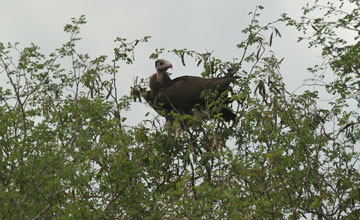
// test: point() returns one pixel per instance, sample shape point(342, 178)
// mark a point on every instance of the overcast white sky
point(201, 25)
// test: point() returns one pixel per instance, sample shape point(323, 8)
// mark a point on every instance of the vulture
point(184, 94)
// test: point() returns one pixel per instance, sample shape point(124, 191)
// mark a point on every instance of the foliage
point(67, 152)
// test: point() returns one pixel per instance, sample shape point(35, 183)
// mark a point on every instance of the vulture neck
point(162, 77)
point(159, 76)
point(158, 80)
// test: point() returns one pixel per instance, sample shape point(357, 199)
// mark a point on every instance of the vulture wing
point(183, 93)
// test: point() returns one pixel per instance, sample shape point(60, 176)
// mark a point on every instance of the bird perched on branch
point(185, 94)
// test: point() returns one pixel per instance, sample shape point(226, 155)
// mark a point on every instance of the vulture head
point(162, 65)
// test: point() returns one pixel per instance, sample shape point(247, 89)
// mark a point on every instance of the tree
point(68, 153)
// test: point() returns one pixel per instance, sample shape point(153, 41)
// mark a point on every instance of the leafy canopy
point(68, 153)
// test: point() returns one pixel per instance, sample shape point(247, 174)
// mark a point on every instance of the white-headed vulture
point(184, 94)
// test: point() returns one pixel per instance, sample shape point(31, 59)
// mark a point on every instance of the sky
point(201, 25)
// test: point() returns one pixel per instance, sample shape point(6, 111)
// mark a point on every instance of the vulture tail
point(232, 70)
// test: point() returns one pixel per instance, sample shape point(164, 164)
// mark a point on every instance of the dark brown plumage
point(184, 94)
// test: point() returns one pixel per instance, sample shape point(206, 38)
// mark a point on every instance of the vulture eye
point(161, 63)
